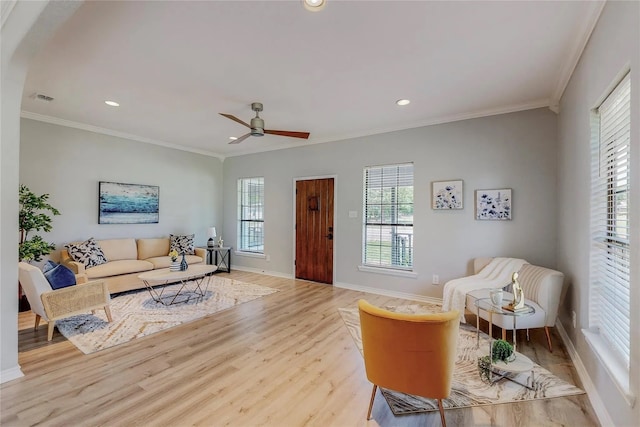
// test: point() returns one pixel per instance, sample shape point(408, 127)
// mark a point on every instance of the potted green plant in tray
point(499, 351)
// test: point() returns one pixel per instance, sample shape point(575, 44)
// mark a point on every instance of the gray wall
point(68, 163)
point(516, 150)
point(613, 47)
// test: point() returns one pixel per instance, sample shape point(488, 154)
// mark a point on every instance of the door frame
point(335, 220)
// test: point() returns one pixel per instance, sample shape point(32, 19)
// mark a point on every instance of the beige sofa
point(126, 259)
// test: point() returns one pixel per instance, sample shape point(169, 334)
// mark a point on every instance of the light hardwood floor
point(282, 360)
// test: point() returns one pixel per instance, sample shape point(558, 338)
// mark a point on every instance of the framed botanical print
point(446, 195)
point(494, 204)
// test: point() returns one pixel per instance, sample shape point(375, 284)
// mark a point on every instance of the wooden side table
point(220, 257)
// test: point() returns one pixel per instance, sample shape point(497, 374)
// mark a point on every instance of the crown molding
point(575, 53)
point(541, 103)
point(110, 132)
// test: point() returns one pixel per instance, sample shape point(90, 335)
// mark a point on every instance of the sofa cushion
point(58, 275)
point(149, 248)
point(182, 244)
point(117, 249)
point(165, 261)
point(88, 253)
point(114, 268)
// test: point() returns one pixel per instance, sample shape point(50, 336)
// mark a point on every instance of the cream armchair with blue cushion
point(542, 290)
point(52, 305)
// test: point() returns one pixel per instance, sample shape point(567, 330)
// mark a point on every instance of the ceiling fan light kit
point(257, 126)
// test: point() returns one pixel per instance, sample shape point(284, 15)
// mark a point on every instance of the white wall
point(613, 47)
point(515, 151)
point(68, 163)
point(25, 28)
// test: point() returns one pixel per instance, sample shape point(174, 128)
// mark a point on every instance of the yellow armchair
point(409, 353)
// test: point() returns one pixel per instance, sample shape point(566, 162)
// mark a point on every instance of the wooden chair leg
point(373, 396)
point(441, 409)
point(546, 330)
point(52, 324)
point(108, 311)
point(38, 317)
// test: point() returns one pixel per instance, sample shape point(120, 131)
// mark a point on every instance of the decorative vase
point(174, 266)
point(183, 263)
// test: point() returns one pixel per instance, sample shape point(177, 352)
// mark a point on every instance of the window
point(609, 300)
point(388, 216)
point(251, 215)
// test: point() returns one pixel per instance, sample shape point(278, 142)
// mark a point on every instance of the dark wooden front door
point(314, 230)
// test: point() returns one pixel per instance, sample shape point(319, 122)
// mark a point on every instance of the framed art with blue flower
point(494, 204)
point(446, 195)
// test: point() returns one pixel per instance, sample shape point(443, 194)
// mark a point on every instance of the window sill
point(251, 254)
point(388, 271)
point(616, 369)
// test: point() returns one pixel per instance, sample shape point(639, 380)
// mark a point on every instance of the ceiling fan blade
point(304, 135)
point(235, 119)
point(240, 139)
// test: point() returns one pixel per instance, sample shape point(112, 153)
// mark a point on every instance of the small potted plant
point(501, 350)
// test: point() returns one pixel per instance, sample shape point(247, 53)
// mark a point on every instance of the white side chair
point(542, 290)
point(52, 305)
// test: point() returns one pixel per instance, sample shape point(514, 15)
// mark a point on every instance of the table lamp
point(211, 232)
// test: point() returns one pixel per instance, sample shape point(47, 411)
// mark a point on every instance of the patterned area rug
point(137, 315)
point(467, 388)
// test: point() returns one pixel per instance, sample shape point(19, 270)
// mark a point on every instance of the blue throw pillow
point(58, 275)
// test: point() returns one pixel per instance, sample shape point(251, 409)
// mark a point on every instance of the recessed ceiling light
point(403, 102)
point(112, 103)
point(233, 138)
point(314, 5)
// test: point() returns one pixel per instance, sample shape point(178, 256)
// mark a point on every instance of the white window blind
point(388, 216)
point(609, 300)
point(251, 214)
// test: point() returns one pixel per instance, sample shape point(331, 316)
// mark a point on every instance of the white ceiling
point(173, 66)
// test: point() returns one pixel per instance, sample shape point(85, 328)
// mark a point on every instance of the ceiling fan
point(257, 126)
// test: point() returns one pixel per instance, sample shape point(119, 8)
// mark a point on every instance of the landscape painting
point(128, 203)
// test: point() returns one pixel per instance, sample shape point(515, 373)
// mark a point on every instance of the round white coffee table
point(191, 281)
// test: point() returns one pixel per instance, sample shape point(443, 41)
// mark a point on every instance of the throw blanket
point(496, 274)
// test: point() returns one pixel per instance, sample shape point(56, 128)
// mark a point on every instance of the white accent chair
point(542, 290)
point(52, 305)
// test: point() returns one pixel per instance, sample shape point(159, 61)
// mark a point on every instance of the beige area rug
point(136, 314)
point(467, 388)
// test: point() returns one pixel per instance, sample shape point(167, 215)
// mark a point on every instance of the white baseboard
point(594, 397)
point(388, 293)
point(10, 374)
point(261, 271)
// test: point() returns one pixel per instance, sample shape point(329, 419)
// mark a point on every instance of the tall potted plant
point(35, 215)
point(32, 219)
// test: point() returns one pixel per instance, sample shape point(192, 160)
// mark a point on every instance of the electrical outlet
point(436, 279)
point(574, 319)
